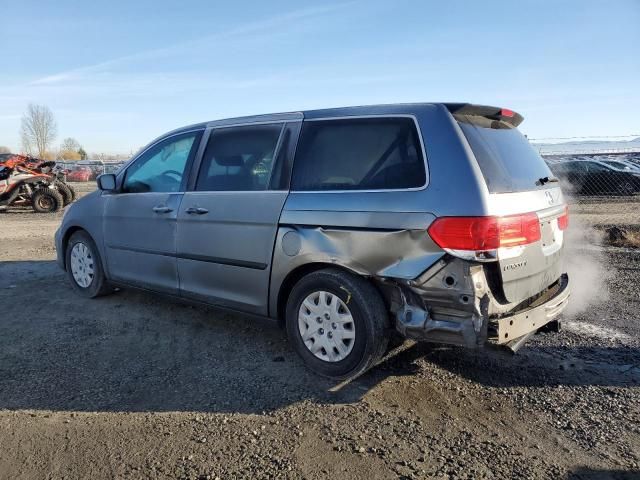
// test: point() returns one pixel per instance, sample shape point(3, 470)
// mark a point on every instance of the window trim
point(359, 117)
point(197, 164)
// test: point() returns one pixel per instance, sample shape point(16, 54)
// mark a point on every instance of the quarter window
point(359, 154)
point(239, 158)
point(161, 168)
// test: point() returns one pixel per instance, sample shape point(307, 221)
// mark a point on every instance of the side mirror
point(106, 182)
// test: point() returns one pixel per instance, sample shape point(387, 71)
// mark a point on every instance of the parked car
point(79, 174)
point(622, 165)
point(438, 221)
point(587, 177)
point(95, 167)
point(634, 160)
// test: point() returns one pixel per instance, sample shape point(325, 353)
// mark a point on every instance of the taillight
point(485, 233)
point(505, 112)
point(563, 220)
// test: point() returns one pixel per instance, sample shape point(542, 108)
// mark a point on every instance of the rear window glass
point(507, 161)
point(359, 154)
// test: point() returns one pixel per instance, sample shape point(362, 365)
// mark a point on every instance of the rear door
point(228, 221)
point(519, 182)
point(140, 219)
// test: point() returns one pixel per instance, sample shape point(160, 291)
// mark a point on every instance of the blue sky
point(118, 73)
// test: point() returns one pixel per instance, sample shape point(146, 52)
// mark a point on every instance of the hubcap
point(326, 326)
point(44, 202)
point(82, 265)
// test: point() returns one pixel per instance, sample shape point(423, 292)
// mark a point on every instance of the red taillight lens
point(485, 233)
point(505, 112)
point(563, 220)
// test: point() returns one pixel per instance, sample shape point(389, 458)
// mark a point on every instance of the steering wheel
point(170, 173)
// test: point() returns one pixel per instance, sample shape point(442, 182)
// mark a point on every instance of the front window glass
point(161, 168)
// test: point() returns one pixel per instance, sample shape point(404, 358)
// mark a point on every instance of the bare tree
point(70, 144)
point(4, 149)
point(69, 150)
point(38, 129)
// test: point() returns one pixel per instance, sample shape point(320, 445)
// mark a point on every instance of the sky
point(117, 74)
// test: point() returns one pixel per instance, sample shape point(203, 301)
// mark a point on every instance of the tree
point(4, 149)
point(70, 144)
point(68, 155)
point(38, 129)
point(70, 149)
point(82, 153)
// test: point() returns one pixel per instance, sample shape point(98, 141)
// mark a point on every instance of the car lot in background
point(79, 174)
point(597, 174)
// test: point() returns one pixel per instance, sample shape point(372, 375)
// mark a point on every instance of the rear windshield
point(507, 161)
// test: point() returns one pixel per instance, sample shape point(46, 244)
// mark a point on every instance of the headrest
point(229, 160)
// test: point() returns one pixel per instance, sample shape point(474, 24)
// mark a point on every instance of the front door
point(227, 224)
point(140, 219)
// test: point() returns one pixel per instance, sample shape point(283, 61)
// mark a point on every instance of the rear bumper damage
point(457, 302)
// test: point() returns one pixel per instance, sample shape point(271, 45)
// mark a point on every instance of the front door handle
point(196, 211)
point(162, 209)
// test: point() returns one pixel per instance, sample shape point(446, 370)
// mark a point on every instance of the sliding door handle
point(162, 209)
point(196, 211)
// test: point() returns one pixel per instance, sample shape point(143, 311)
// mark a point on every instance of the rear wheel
point(336, 322)
point(84, 266)
point(46, 200)
point(67, 192)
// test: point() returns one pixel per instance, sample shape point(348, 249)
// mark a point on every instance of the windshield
point(617, 165)
point(507, 161)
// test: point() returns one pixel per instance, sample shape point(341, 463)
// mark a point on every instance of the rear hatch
point(522, 192)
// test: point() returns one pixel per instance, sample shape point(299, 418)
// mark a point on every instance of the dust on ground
point(138, 386)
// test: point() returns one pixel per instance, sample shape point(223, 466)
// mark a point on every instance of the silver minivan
point(434, 221)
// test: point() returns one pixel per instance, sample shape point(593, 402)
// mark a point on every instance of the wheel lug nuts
point(321, 331)
point(327, 316)
point(334, 325)
point(330, 334)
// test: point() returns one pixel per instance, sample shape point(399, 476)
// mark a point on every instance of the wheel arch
point(298, 273)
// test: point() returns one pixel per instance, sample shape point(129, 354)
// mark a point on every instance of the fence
point(603, 189)
point(87, 170)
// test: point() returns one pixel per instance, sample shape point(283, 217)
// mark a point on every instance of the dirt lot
point(136, 386)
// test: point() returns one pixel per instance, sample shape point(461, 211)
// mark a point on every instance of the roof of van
point(319, 113)
point(393, 108)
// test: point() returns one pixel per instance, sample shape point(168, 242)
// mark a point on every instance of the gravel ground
point(137, 386)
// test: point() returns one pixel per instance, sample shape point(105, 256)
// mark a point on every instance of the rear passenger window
point(359, 154)
point(239, 158)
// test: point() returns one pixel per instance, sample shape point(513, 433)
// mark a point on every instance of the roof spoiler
point(505, 115)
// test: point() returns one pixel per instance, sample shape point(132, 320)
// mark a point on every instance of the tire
point(369, 322)
point(46, 200)
point(67, 192)
point(98, 284)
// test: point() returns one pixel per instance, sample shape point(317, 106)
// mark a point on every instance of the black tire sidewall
point(65, 191)
point(364, 342)
point(97, 286)
point(56, 197)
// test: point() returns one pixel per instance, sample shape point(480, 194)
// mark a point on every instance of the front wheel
point(336, 322)
point(84, 266)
